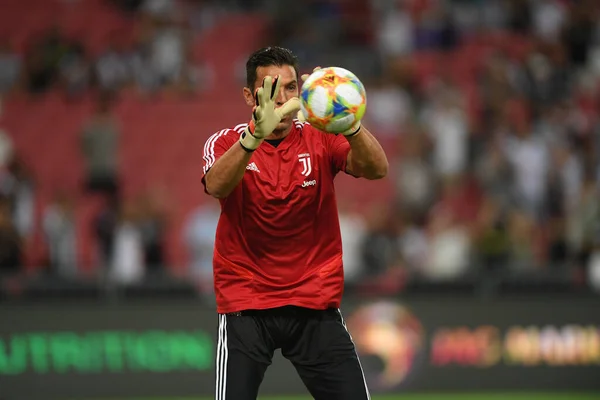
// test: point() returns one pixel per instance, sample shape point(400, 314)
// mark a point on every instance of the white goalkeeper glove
point(265, 116)
point(354, 129)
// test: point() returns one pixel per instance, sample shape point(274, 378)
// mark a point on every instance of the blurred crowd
point(498, 167)
point(156, 56)
point(495, 169)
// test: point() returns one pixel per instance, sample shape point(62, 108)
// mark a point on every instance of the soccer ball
point(333, 99)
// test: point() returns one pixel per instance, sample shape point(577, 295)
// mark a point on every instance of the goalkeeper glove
point(354, 129)
point(265, 116)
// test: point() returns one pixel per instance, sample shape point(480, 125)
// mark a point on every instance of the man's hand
point(354, 129)
point(265, 116)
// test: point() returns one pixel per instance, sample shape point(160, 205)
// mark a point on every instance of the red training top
point(278, 239)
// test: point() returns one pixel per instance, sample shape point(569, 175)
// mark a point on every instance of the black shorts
point(316, 342)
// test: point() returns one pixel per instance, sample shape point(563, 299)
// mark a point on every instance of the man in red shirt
point(278, 253)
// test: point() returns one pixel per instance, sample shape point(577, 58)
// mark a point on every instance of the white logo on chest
point(304, 159)
point(309, 183)
point(252, 167)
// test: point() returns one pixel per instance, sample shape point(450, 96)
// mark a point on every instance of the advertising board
point(530, 344)
point(85, 351)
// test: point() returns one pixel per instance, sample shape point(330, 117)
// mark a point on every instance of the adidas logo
point(252, 167)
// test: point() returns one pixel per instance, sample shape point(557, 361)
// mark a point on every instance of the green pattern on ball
point(333, 112)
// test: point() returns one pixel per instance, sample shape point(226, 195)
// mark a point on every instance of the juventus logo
point(306, 165)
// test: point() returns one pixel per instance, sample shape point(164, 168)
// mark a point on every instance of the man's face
point(288, 88)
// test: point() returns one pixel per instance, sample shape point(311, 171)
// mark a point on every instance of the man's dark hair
point(266, 57)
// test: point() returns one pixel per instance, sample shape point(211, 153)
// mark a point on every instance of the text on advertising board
point(105, 351)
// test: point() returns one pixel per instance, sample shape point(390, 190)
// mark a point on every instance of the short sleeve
point(338, 148)
point(215, 146)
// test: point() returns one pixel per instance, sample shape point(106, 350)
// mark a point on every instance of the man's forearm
point(366, 158)
point(227, 172)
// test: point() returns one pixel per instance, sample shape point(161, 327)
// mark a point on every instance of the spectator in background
point(39, 75)
point(497, 84)
point(415, 183)
point(566, 171)
point(61, 237)
point(413, 242)
point(129, 6)
point(152, 223)
point(395, 35)
point(166, 36)
point(43, 59)
point(592, 153)
point(390, 107)
point(528, 156)
point(10, 68)
point(127, 258)
point(113, 67)
point(548, 19)
point(524, 238)
point(460, 196)
point(545, 78)
point(449, 248)
point(380, 245)
point(594, 57)
point(593, 267)
point(168, 52)
point(519, 16)
point(195, 75)
point(17, 185)
point(163, 55)
point(159, 8)
point(10, 242)
point(493, 169)
point(199, 238)
point(74, 71)
point(6, 147)
point(435, 28)
point(352, 229)
point(491, 240)
point(583, 221)
point(577, 34)
point(554, 222)
point(141, 67)
point(105, 225)
point(202, 15)
point(446, 122)
point(100, 146)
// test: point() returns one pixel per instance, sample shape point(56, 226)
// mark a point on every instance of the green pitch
point(471, 396)
point(491, 396)
point(474, 396)
point(433, 396)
